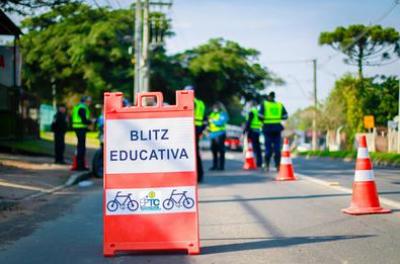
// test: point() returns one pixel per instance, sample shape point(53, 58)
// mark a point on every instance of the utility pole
point(142, 45)
point(398, 123)
point(138, 47)
point(54, 92)
point(145, 62)
point(314, 122)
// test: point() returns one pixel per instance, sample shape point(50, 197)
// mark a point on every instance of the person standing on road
point(59, 127)
point(199, 123)
point(253, 130)
point(272, 113)
point(80, 122)
point(217, 121)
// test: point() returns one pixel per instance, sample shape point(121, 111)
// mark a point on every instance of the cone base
point(250, 165)
point(285, 179)
point(286, 173)
point(363, 211)
point(249, 168)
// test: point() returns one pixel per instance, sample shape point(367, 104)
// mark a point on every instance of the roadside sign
point(369, 121)
point(150, 180)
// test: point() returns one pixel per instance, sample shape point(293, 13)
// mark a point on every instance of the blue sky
point(282, 30)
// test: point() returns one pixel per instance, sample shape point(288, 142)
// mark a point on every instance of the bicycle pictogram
point(115, 203)
point(173, 200)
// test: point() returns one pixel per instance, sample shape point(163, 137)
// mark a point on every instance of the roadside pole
point(398, 123)
point(314, 122)
point(144, 63)
point(137, 44)
point(54, 93)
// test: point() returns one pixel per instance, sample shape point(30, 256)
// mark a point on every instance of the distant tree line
point(83, 49)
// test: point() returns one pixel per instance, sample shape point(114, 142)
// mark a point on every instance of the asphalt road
point(338, 171)
point(245, 217)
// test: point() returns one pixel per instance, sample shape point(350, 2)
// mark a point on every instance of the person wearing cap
point(272, 113)
point(217, 121)
point(199, 123)
point(253, 130)
point(80, 123)
point(59, 127)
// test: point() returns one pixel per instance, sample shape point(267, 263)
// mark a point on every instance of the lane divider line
point(387, 201)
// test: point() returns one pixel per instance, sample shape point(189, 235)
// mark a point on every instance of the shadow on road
point(276, 242)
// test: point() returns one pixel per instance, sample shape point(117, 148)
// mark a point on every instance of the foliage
point(167, 74)
point(301, 119)
point(348, 103)
point(364, 45)
point(25, 6)
point(222, 69)
point(82, 48)
point(381, 99)
point(85, 50)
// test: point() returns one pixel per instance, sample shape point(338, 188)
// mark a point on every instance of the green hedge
point(377, 157)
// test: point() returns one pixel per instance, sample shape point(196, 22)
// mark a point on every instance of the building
point(18, 109)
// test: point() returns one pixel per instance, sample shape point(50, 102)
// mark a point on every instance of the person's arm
point(223, 119)
point(82, 114)
point(248, 122)
point(261, 112)
point(284, 113)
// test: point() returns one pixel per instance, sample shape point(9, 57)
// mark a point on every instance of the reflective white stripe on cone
point(286, 172)
point(249, 161)
point(365, 198)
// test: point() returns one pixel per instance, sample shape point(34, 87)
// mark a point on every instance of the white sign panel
point(150, 145)
point(150, 200)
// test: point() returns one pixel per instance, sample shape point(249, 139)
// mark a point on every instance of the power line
point(290, 61)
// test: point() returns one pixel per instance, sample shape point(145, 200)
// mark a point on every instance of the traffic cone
point(286, 172)
point(365, 198)
point(249, 161)
point(74, 165)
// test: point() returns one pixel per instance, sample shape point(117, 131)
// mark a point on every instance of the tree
point(381, 98)
point(81, 48)
point(222, 69)
point(23, 6)
point(364, 45)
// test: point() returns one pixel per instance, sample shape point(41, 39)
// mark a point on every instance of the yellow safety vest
point(272, 112)
point(255, 123)
point(214, 116)
point(76, 119)
point(199, 112)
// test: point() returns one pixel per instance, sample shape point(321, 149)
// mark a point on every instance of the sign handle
point(157, 95)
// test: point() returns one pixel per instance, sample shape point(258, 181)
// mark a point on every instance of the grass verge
point(378, 158)
point(45, 145)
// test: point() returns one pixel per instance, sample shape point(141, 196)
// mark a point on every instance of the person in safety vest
point(217, 121)
point(199, 123)
point(80, 122)
point(272, 113)
point(253, 130)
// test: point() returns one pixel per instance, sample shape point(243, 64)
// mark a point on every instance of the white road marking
point(386, 201)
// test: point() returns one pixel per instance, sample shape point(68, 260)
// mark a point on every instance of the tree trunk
point(360, 62)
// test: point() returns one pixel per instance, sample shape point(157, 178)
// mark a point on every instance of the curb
point(72, 180)
point(77, 177)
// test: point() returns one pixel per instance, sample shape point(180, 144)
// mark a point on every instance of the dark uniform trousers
point(254, 136)
point(272, 146)
point(218, 151)
point(200, 172)
point(81, 147)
